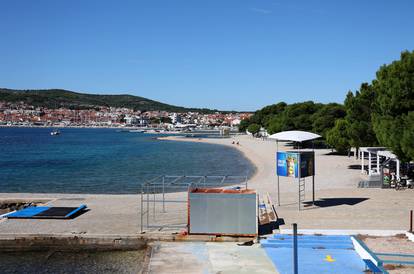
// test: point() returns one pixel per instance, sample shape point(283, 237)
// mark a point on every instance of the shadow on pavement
point(268, 228)
point(328, 202)
point(357, 167)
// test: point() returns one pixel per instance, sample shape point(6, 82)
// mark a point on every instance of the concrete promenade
point(340, 204)
point(114, 221)
point(201, 257)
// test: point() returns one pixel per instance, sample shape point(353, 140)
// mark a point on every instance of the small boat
point(137, 130)
point(55, 132)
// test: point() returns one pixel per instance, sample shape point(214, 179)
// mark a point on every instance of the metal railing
point(163, 190)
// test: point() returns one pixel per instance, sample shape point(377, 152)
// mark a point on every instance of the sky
point(223, 54)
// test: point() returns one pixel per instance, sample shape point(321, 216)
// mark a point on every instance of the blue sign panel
point(287, 164)
point(281, 165)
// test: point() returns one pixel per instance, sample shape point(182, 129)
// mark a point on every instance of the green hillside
point(56, 98)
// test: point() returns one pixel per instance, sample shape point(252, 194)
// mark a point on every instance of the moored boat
point(55, 132)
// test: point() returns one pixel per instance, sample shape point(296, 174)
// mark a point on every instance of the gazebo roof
point(372, 149)
point(387, 154)
point(381, 151)
point(294, 135)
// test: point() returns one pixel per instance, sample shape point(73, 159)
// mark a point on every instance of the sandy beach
point(341, 205)
point(332, 171)
point(341, 208)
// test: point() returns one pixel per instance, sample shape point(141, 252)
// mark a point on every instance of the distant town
point(23, 114)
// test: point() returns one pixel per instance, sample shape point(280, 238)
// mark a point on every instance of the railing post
point(411, 221)
point(258, 217)
point(142, 208)
point(299, 192)
point(153, 205)
point(163, 193)
point(188, 208)
point(295, 248)
point(278, 191)
point(148, 206)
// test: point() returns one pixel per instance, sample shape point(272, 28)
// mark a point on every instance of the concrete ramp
point(203, 258)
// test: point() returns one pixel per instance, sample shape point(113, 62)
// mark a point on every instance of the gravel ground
point(72, 262)
point(398, 244)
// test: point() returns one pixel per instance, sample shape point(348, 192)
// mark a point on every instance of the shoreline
point(257, 152)
point(331, 172)
point(51, 126)
point(339, 203)
point(180, 138)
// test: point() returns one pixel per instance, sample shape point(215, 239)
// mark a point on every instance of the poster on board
point(287, 164)
point(307, 163)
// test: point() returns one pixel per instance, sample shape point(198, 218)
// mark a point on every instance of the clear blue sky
point(225, 54)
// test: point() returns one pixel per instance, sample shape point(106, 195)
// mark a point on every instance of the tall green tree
point(244, 124)
point(263, 116)
point(338, 138)
point(324, 118)
point(253, 129)
point(359, 107)
point(276, 123)
point(394, 106)
point(407, 138)
point(298, 116)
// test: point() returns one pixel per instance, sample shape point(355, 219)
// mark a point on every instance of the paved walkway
point(108, 214)
point(199, 257)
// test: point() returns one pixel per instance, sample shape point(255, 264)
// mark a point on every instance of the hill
point(56, 98)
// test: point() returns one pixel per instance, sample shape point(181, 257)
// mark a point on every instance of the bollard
point(411, 221)
point(295, 249)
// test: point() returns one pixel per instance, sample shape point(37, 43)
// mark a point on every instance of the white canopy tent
point(295, 136)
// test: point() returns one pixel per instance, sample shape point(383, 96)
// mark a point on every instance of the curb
point(345, 232)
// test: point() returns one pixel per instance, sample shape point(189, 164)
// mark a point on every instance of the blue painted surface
point(342, 238)
point(371, 266)
point(314, 253)
point(31, 212)
point(81, 207)
point(28, 212)
point(311, 245)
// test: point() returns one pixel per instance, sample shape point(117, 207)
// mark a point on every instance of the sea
point(99, 160)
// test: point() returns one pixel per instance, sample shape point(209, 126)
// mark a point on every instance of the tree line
point(380, 113)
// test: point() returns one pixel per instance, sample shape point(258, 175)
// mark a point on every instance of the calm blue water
point(103, 160)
